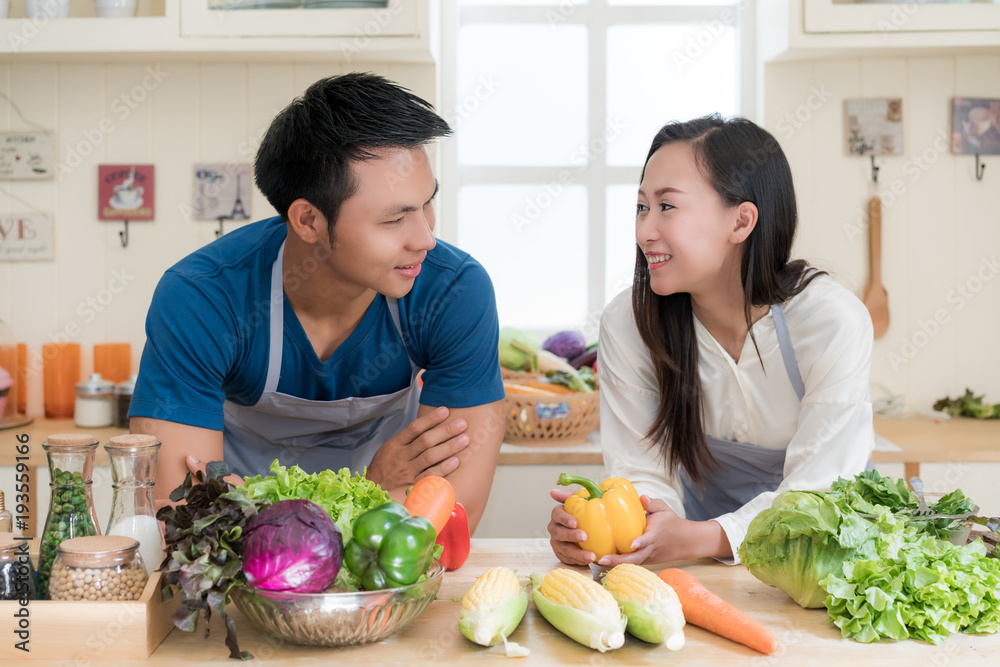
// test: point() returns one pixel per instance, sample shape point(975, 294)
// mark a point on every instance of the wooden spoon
point(876, 299)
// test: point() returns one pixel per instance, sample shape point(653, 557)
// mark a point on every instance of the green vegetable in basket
point(517, 349)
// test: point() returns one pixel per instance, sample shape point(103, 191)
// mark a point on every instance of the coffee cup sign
point(125, 192)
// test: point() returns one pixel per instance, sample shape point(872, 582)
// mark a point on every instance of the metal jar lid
point(95, 385)
point(127, 387)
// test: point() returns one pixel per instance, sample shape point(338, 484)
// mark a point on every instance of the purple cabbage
point(292, 545)
point(565, 344)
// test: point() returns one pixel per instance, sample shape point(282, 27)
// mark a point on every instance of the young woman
point(728, 372)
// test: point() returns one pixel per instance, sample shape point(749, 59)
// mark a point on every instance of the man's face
point(386, 228)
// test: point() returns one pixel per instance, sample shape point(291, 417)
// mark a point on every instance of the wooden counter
point(920, 439)
point(433, 639)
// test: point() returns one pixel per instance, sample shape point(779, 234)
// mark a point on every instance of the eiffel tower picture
point(239, 213)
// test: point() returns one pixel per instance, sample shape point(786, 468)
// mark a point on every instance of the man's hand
point(427, 446)
point(194, 465)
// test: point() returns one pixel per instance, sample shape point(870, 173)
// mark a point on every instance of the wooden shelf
point(188, 32)
point(869, 30)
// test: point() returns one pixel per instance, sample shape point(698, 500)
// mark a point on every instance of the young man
point(300, 337)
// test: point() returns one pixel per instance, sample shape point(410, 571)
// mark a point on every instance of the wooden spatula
point(876, 299)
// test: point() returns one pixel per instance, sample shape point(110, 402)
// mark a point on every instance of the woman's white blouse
point(829, 434)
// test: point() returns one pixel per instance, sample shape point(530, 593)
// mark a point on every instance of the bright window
point(554, 105)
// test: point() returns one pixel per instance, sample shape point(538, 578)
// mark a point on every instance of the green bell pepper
point(390, 548)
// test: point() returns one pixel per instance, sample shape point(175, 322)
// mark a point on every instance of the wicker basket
point(562, 419)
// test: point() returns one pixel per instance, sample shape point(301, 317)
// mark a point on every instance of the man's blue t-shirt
point(207, 335)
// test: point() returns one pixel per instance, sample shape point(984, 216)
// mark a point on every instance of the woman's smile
point(657, 260)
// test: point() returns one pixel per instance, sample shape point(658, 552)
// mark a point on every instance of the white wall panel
point(189, 113)
point(940, 227)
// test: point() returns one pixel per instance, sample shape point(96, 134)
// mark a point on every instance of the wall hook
point(123, 235)
point(874, 170)
point(980, 168)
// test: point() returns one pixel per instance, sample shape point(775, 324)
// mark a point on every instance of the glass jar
point(123, 399)
point(17, 576)
point(102, 567)
point(95, 402)
point(133, 508)
point(6, 518)
point(71, 506)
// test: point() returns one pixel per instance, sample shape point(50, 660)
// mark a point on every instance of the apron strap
point(393, 305)
point(787, 352)
point(277, 326)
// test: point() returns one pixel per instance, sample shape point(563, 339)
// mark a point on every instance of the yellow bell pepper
point(611, 514)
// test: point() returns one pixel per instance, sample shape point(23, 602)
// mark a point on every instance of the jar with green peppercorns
point(71, 506)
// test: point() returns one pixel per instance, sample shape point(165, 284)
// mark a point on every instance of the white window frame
point(597, 175)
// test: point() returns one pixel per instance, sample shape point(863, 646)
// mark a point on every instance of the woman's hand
point(658, 543)
point(669, 538)
point(564, 534)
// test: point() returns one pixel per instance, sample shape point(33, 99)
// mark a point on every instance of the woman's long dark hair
point(743, 163)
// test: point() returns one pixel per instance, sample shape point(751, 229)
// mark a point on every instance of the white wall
point(940, 227)
point(195, 113)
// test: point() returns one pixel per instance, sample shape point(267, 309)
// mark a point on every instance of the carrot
point(511, 388)
point(433, 498)
point(548, 386)
point(707, 610)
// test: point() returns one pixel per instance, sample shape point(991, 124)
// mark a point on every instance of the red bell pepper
point(454, 538)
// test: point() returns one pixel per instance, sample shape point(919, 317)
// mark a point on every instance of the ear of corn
point(493, 607)
point(578, 607)
point(651, 605)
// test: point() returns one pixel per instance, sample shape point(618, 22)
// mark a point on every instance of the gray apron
point(744, 471)
point(315, 435)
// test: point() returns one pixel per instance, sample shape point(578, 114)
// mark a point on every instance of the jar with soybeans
point(98, 568)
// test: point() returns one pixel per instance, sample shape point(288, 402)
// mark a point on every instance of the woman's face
point(682, 226)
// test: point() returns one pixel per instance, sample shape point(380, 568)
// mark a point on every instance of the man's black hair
point(307, 150)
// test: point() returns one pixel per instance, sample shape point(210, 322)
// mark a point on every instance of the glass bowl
point(337, 619)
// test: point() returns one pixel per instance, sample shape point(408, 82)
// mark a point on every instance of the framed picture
point(125, 192)
point(26, 155)
point(874, 126)
point(222, 191)
point(25, 237)
point(975, 125)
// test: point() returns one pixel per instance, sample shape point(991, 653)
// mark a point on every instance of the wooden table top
point(433, 639)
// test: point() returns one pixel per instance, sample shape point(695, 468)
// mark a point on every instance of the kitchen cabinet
point(203, 18)
point(824, 16)
point(809, 29)
point(192, 30)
